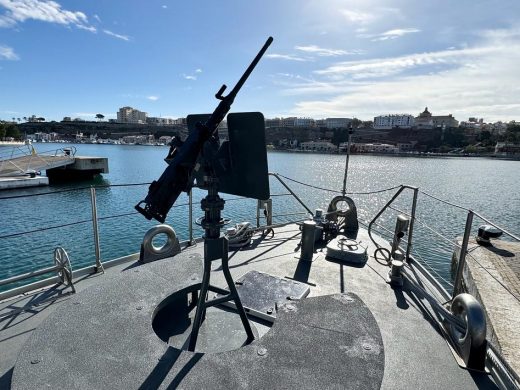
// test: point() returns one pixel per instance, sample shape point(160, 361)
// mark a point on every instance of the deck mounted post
point(99, 266)
point(457, 284)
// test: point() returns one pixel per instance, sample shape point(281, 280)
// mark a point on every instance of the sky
point(329, 58)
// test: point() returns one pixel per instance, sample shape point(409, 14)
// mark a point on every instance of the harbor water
point(489, 186)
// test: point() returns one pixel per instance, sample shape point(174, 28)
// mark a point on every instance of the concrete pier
point(492, 275)
point(57, 169)
point(82, 167)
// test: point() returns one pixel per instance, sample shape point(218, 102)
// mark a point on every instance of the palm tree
point(100, 117)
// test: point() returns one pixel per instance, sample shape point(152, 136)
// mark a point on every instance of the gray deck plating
point(416, 356)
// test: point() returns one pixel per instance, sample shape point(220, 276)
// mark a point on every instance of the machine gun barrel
point(176, 178)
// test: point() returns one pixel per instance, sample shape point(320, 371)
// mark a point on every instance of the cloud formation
point(390, 34)
point(7, 53)
point(153, 98)
point(118, 36)
point(481, 80)
point(323, 52)
point(19, 11)
point(286, 57)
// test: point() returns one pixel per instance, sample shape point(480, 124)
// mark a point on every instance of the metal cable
point(425, 263)
point(444, 201)
point(46, 228)
point(339, 192)
point(73, 189)
point(493, 276)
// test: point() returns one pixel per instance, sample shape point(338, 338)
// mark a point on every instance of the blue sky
point(328, 58)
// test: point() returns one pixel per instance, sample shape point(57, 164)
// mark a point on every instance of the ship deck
point(415, 353)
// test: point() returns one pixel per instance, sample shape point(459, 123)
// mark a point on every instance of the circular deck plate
point(103, 338)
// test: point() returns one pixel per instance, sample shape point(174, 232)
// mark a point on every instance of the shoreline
point(417, 155)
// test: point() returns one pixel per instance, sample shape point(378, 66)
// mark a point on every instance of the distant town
point(392, 133)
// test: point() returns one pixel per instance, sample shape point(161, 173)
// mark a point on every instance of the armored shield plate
point(247, 173)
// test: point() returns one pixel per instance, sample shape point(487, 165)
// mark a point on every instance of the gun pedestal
point(215, 248)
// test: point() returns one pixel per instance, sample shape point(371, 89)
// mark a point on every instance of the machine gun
point(177, 177)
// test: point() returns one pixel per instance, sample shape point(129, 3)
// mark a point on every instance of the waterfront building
point(319, 146)
point(131, 115)
point(507, 148)
point(374, 148)
point(403, 121)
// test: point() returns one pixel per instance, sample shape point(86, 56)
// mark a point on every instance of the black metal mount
point(215, 248)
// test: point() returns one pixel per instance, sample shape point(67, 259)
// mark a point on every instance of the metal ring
point(150, 235)
point(470, 311)
point(333, 206)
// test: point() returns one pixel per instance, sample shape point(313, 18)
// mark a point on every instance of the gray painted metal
point(261, 293)
point(346, 344)
point(308, 238)
point(149, 252)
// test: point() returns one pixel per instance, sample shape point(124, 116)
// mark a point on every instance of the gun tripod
point(215, 248)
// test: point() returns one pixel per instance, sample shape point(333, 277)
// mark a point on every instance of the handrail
point(372, 223)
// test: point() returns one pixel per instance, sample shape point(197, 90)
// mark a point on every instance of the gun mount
point(177, 177)
point(220, 167)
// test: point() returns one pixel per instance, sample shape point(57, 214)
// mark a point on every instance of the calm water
point(485, 185)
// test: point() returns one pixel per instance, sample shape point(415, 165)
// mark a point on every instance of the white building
point(305, 122)
point(375, 148)
point(319, 146)
point(337, 123)
point(403, 121)
point(160, 121)
point(131, 115)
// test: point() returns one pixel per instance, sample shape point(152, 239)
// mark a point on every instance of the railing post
point(190, 217)
point(99, 266)
point(412, 221)
point(457, 284)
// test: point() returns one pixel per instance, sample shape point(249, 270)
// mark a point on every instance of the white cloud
point(153, 98)
point(164, 6)
point(7, 53)
point(198, 70)
point(286, 57)
point(360, 17)
point(382, 67)
point(481, 80)
point(88, 28)
point(323, 52)
point(189, 77)
point(95, 16)
point(390, 34)
point(45, 11)
point(118, 36)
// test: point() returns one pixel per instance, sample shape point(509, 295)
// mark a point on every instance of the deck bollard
point(308, 235)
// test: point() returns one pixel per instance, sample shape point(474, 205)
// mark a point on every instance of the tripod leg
point(201, 308)
point(234, 294)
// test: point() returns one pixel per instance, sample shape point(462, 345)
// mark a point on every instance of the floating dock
point(492, 275)
point(7, 183)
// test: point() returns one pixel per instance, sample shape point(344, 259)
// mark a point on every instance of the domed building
point(426, 120)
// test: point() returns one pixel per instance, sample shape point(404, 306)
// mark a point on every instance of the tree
point(100, 117)
point(355, 123)
point(2, 130)
point(11, 130)
point(40, 119)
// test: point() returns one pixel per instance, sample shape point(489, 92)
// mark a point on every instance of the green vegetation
point(9, 130)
